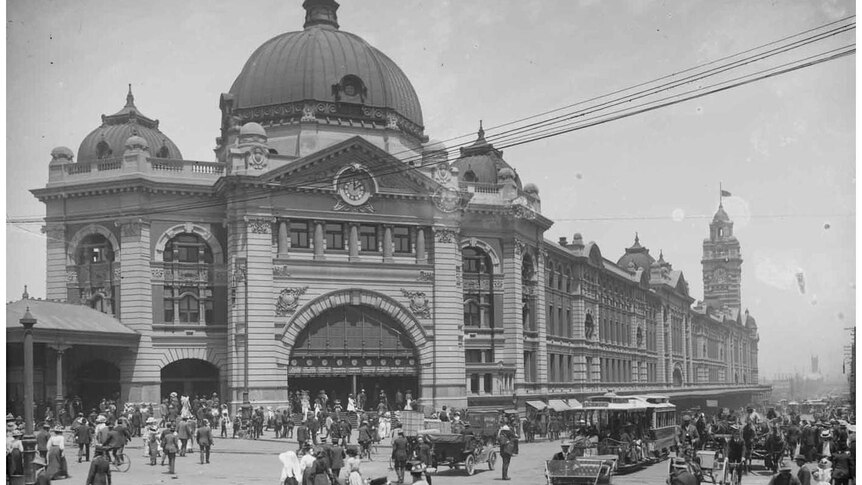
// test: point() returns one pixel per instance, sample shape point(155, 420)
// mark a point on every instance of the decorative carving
point(640, 336)
point(256, 158)
point(130, 229)
point(260, 225)
point(308, 113)
point(280, 271)
point(288, 301)
point(521, 211)
point(588, 326)
point(447, 200)
point(458, 277)
point(365, 208)
point(72, 277)
point(442, 173)
point(426, 276)
point(520, 247)
point(419, 303)
point(391, 121)
point(57, 233)
point(445, 235)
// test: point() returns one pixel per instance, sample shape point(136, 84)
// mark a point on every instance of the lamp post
point(29, 439)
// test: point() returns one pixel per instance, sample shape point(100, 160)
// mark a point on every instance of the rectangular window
point(189, 309)
point(401, 240)
point(550, 325)
point(474, 383)
point(208, 308)
point(489, 383)
point(473, 356)
point(561, 323)
point(472, 314)
point(368, 238)
point(299, 234)
point(334, 235)
point(569, 323)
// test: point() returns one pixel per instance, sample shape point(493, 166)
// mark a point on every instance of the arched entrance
point(353, 347)
point(190, 377)
point(96, 380)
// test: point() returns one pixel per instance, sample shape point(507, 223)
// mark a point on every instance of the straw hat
point(824, 463)
point(59, 429)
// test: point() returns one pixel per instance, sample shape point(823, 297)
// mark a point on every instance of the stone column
point(354, 242)
point(283, 238)
point(58, 399)
point(319, 246)
point(421, 257)
point(447, 374)
point(513, 329)
point(541, 313)
point(387, 244)
point(56, 261)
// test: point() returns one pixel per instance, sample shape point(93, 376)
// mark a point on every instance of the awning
point(538, 405)
point(58, 322)
point(574, 403)
point(558, 405)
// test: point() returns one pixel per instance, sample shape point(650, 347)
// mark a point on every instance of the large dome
point(109, 140)
point(322, 63)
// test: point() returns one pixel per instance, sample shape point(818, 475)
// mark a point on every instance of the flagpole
point(719, 194)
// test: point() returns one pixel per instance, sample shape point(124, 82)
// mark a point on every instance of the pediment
point(319, 170)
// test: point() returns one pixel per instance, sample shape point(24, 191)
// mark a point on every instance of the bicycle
point(731, 475)
point(123, 465)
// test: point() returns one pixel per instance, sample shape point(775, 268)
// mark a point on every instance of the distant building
point(331, 245)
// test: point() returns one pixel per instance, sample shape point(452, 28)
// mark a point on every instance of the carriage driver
point(688, 433)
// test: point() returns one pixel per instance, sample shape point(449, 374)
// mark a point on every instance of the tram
point(640, 430)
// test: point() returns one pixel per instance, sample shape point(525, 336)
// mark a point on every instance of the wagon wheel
point(470, 465)
point(492, 460)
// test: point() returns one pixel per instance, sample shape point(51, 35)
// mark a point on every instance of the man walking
point(400, 455)
point(507, 448)
point(204, 436)
point(83, 437)
point(183, 433)
point(170, 445)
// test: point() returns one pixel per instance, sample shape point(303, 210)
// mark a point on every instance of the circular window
point(354, 362)
point(294, 362)
point(350, 90)
point(339, 362)
point(324, 362)
point(308, 361)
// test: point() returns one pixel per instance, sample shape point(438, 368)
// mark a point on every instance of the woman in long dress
point(56, 459)
point(291, 470)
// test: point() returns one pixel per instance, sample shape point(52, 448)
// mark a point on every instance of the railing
point(111, 167)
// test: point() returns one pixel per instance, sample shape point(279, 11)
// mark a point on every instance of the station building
point(331, 245)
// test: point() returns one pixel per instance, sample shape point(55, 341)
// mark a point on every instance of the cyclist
point(735, 452)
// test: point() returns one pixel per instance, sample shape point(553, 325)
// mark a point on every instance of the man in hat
point(804, 475)
point(336, 457)
point(560, 455)
point(83, 437)
point(302, 434)
point(42, 437)
point(400, 454)
point(418, 474)
point(345, 430)
point(365, 439)
point(784, 477)
point(100, 468)
point(204, 436)
point(183, 433)
point(688, 435)
point(735, 452)
point(506, 440)
point(774, 449)
point(170, 444)
point(842, 467)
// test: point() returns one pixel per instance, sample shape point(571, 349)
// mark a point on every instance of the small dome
point(577, 235)
point(506, 173)
point(482, 163)
point(252, 129)
point(637, 255)
point(136, 142)
point(434, 146)
point(62, 154)
point(109, 140)
point(531, 188)
point(720, 215)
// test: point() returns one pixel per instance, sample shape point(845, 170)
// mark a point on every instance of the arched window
point(191, 301)
point(560, 281)
point(163, 152)
point(103, 150)
point(95, 248)
point(470, 176)
point(188, 248)
point(549, 268)
point(569, 280)
point(478, 287)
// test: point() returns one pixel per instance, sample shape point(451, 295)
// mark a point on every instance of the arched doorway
point(677, 377)
point(350, 348)
point(190, 377)
point(95, 380)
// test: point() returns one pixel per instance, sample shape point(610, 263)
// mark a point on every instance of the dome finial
point(637, 239)
point(320, 12)
point(481, 131)
point(25, 296)
point(130, 98)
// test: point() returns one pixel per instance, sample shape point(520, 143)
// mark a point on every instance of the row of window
point(560, 368)
point(557, 325)
point(301, 235)
point(187, 305)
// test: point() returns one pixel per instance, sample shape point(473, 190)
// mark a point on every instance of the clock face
point(354, 185)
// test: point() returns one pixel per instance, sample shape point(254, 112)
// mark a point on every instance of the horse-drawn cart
point(457, 450)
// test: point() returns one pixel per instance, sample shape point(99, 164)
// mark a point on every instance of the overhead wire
point(537, 131)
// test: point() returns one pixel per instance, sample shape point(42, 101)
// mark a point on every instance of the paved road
point(241, 462)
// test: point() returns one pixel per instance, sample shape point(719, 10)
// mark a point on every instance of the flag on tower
point(725, 193)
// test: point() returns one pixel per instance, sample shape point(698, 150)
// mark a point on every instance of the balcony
point(494, 194)
point(136, 165)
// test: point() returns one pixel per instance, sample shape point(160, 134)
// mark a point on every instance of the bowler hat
point(799, 456)
point(784, 466)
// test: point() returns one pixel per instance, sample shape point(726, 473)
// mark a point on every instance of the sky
point(784, 147)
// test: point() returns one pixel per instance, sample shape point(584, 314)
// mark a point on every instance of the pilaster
point(541, 322)
point(56, 261)
point(513, 327)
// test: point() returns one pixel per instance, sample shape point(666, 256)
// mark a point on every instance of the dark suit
point(170, 443)
point(83, 437)
point(204, 436)
point(400, 453)
point(42, 442)
point(100, 472)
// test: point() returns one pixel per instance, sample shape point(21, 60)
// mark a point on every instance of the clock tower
point(722, 264)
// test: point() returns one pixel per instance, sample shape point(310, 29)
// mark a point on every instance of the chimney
point(563, 241)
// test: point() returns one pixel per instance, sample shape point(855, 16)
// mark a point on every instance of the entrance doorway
point(190, 377)
point(96, 380)
point(338, 387)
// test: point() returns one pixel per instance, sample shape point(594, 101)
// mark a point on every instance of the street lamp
point(29, 439)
